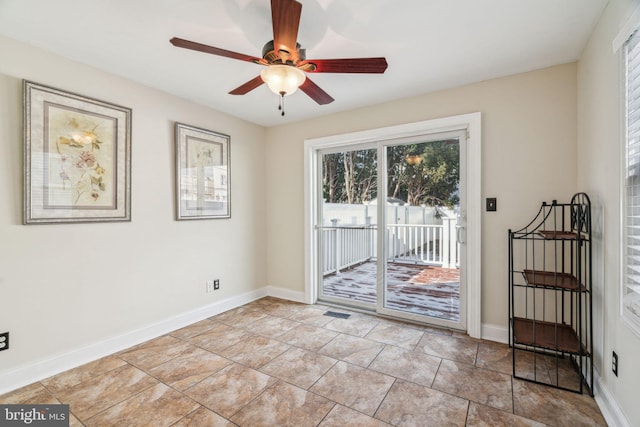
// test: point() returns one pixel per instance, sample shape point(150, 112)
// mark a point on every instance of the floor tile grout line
point(116, 403)
point(513, 398)
point(466, 419)
point(185, 416)
point(255, 398)
point(321, 376)
point(436, 374)
point(56, 397)
point(327, 414)
point(395, 380)
point(375, 357)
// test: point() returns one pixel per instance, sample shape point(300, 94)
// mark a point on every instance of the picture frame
point(77, 158)
point(203, 184)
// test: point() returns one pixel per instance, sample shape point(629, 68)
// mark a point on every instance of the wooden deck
point(419, 289)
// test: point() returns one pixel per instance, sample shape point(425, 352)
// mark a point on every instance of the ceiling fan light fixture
point(283, 79)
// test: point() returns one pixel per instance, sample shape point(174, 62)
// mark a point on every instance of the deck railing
point(345, 246)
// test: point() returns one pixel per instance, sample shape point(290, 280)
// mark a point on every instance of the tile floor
point(277, 363)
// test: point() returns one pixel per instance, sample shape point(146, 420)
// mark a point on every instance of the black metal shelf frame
point(550, 307)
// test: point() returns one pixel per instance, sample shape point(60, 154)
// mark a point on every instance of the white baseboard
point(495, 333)
point(609, 408)
point(295, 296)
point(33, 372)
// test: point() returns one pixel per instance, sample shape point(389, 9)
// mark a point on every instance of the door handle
point(459, 234)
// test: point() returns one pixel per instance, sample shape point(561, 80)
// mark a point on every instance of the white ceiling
point(429, 44)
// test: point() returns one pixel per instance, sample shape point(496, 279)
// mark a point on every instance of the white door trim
point(472, 123)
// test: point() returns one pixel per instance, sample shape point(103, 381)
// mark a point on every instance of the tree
point(349, 176)
point(330, 180)
point(423, 173)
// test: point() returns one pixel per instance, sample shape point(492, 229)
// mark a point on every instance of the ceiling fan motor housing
point(272, 57)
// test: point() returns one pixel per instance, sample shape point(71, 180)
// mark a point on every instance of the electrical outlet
point(614, 363)
point(216, 284)
point(210, 286)
point(4, 341)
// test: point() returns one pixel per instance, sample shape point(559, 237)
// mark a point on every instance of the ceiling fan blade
point(315, 92)
point(248, 86)
point(285, 16)
point(178, 42)
point(353, 65)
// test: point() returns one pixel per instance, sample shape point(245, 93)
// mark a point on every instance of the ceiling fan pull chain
point(281, 106)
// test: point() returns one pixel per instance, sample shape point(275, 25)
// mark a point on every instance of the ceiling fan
point(285, 59)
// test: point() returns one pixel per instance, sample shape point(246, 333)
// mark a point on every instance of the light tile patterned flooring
point(277, 363)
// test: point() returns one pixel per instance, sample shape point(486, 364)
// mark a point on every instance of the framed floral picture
point(202, 174)
point(77, 158)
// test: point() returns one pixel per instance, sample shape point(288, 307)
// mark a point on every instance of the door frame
point(472, 124)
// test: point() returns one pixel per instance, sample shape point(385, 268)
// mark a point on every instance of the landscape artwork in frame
point(77, 158)
point(202, 173)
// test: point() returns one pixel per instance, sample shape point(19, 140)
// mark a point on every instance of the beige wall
point(599, 172)
point(528, 156)
point(65, 287)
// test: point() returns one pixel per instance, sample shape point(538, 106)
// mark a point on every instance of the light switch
point(492, 204)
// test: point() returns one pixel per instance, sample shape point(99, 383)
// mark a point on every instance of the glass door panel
point(347, 227)
point(422, 231)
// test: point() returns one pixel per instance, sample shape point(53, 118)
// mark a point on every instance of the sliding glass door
point(390, 227)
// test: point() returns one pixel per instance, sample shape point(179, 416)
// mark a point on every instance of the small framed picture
point(77, 158)
point(203, 188)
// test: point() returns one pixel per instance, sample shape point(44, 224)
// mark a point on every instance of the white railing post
point(374, 242)
point(451, 245)
point(446, 225)
point(440, 241)
point(336, 245)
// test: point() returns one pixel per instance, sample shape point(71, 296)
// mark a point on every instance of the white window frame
point(629, 293)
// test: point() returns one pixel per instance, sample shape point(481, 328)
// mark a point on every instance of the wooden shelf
point(558, 235)
point(547, 335)
point(551, 279)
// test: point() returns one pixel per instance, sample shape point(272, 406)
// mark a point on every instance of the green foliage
point(425, 173)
